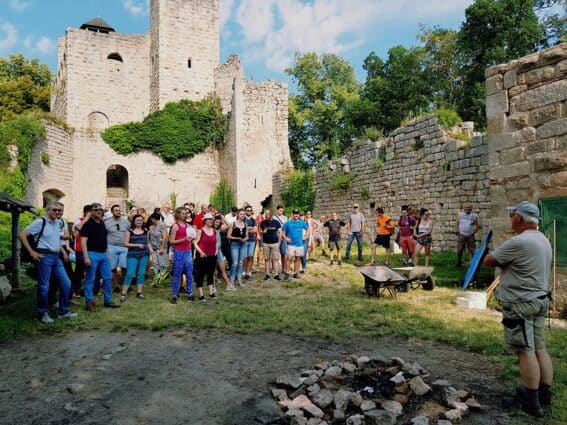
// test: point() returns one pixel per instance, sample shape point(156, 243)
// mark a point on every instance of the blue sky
point(265, 33)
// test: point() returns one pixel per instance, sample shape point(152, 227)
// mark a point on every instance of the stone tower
point(184, 50)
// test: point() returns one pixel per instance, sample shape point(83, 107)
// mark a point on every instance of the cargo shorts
point(524, 324)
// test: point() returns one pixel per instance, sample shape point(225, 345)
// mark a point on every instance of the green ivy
point(298, 191)
point(341, 181)
point(223, 197)
point(180, 130)
point(447, 117)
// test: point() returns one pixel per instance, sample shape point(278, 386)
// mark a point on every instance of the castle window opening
point(189, 63)
point(115, 57)
point(52, 195)
point(116, 182)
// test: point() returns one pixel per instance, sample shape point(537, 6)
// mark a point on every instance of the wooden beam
point(492, 287)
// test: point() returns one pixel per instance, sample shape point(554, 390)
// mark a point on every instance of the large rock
point(341, 399)
point(367, 405)
point(454, 415)
point(362, 361)
point(451, 396)
point(420, 420)
point(334, 371)
point(288, 381)
point(355, 420)
point(323, 398)
point(5, 289)
point(393, 406)
point(379, 417)
point(418, 386)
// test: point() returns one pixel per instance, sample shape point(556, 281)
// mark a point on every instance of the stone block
point(554, 54)
point(540, 146)
point(541, 96)
point(518, 121)
point(512, 156)
point(496, 124)
point(553, 128)
point(510, 171)
point(494, 84)
point(496, 69)
point(527, 62)
point(545, 114)
point(539, 75)
point(561, 68)
point(516, 90)
point(550, 162)
point(497, 103)
point(559, 179)
point(510, 79)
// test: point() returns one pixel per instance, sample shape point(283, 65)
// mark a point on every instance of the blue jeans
point(136, 267)
point(304, 258)
point(238, 252)
point(182, 264)
point(351, 238)
point(100, 266)
point(51, 264)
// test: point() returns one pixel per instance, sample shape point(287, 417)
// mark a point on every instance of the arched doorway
point(52, 195)
point(117, 184)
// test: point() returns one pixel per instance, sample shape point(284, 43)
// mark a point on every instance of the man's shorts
point(295, 251)
point(383, 240)
point(117, 256)
point(250, 247)
point(271, 251)
point(407, 244)
point(524, 324)
point(318, 237)
point(465, 242)
point(334, 242)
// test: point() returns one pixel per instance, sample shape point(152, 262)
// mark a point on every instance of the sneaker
point(266, 278)
point(213, 295)
point(286, 276)
point(173, 300)
point(296, 276)
point(529, 403)
point(302, 271)
point(248, 277)
point(230, 288)
point(112, 305)
point(346, 258)
point(68, 315)
point(90, 306)
point(191, 298)
point(140, 296)
point(46, 319)
point(410, 261)
point(122, 298)
point(202, 298)
point(278, 278)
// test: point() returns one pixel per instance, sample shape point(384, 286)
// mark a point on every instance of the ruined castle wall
point(186, 31)
point(260, 138)
point(526, 108)
point(225, 77)
point(418, 165)
point(150, 180)
point(56, 175)
point(104, 91)
point(59, 83)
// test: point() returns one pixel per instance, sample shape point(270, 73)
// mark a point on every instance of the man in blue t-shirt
point(293, 230)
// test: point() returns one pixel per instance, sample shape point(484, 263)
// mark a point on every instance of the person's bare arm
point(490, 261)
point(23, 235)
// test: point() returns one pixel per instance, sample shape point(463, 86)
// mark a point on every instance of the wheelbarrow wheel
point(428, 284)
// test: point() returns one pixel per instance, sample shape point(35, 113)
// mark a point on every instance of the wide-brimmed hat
point(527, 210)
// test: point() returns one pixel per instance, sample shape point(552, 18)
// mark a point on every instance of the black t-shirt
point(96, 232)
point(334, 228)
point(271, 235)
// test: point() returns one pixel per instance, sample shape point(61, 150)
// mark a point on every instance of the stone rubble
point(369, 390)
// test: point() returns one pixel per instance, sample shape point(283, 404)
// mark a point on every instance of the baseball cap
point(355, 205)
point(527, 210)
point(208, 216)
point(295, 211)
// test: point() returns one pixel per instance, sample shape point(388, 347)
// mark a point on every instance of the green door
point(555, 209)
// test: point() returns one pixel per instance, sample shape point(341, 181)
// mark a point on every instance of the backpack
point(25, 256)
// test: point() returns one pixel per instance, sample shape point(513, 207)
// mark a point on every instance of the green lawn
point(328, 302)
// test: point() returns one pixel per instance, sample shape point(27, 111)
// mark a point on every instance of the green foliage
point(298, 191)
point(45, 158)
point(372, 133)
point(223, 197)
point(364, 193)
point(23, 132)
point(24, 86)
point(173, 200)
point(377, 164)
point(319, 127)
point(462, 135)
point(341, 181)
point(447, 117)
point(180, 130)
point(6, 231)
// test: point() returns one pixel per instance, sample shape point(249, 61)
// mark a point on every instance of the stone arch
point(116, 183)
point(51, 195)
point(98, 120)
point(114, 62)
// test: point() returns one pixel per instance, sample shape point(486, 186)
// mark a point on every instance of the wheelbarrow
point(379, 279)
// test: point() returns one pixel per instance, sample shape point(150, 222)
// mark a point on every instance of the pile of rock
point(367, 391)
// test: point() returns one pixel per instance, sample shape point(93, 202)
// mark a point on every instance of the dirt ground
point(202, 377)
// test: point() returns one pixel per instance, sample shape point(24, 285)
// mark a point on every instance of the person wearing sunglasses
point(116, 227)
point(46, 233)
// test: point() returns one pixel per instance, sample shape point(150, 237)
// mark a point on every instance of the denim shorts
point(250, 247)
point(117, 256)
point(220, 256)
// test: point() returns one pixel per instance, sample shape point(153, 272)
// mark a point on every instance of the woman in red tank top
point(206, 256)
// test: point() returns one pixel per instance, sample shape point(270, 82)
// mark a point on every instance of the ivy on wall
point(223, 197)
point(298, 191)
point(180, 130)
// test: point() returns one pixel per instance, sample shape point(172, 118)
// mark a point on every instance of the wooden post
point(17, 272)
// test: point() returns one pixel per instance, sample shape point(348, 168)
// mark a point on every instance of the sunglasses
point(56, 210)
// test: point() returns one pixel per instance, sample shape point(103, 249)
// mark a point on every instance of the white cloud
point(136, 7)
point(10, 35)
point(19, 4)
point(225, 11)
point(43, 45)
point(275, 29)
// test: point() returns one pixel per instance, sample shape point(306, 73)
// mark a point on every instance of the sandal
point(122, 298)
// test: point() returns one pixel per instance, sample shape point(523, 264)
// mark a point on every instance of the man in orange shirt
point(384, 227)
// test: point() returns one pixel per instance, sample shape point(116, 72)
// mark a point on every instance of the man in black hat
point(525, 261)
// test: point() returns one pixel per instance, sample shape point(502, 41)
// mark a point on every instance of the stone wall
point(419, 165)
point(186, 31)
point(526, 108)
point(56, 175)
point(100, 91)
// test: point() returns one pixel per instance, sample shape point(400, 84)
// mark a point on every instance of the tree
point(318, 124)
point(24, 86)
point(494, 31)
point(554, 24)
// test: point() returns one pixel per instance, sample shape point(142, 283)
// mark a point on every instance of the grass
point(328, 303)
